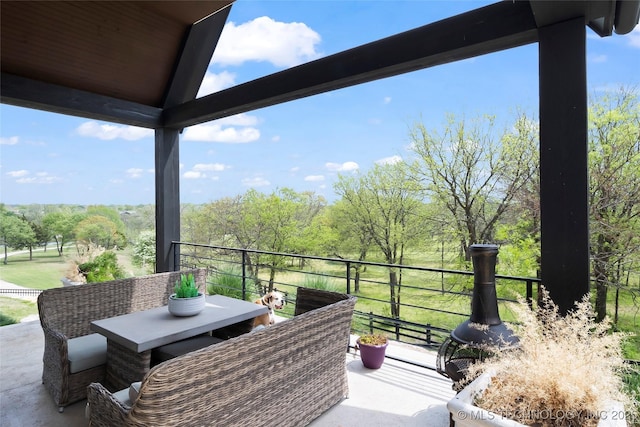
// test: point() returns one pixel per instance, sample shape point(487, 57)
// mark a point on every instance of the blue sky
point(50, 158)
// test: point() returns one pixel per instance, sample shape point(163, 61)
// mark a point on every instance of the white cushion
point(87, 352)
point(123, 396)
point(134, 390)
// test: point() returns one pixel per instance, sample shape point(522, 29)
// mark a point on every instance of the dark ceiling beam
point(28, 93)
point(197, 50)
point(496, 27)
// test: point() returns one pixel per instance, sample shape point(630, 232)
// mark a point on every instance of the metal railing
point(422, 309)
point(20, 292)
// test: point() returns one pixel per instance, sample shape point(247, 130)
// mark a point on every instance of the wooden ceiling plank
point(495, 27)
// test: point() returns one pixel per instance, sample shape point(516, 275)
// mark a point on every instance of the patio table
point(131, 337)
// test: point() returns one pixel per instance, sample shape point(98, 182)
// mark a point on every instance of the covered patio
point(398, 394)
point(80, 59)
point(108, 61)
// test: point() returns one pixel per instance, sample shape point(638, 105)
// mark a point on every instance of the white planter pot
point(67, 282)
point(184, 307)
point(466, 414)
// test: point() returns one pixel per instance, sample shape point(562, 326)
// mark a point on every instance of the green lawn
point(12, 310)
point(44, 271)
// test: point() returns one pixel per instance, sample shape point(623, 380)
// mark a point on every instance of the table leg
point(125, 366)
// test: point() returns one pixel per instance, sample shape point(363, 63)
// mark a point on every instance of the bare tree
point(473, 174)
point(385, 207)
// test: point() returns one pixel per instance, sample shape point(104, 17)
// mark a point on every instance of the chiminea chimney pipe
point(484, 303)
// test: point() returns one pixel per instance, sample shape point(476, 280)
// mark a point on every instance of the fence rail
point(422, 308)
point(20, 292)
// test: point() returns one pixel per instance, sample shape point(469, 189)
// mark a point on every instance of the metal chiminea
point(465, 344)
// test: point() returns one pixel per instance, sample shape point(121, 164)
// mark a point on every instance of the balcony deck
point(398, 394)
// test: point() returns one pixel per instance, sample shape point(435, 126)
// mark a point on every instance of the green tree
point(614, 175)
point(349, 235)
point(386, 203)
point(15, 233)
point(98, 230)
point(144, 251)
point(473, 174)
point(119, 238)
point(61, 226)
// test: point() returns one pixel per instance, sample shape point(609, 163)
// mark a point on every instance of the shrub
point(228, 283)
point(318, 281)
point(102, 268)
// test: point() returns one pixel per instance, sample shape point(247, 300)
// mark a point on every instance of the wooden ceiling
point(126, 50)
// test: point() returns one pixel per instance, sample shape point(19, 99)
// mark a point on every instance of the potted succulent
point(372, 349)
point(187, 300)
point(566, 371)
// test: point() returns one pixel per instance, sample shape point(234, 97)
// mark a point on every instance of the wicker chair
point(287, 375)
point(65, 313)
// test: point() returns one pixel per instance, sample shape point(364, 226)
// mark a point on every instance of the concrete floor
point(398, 394)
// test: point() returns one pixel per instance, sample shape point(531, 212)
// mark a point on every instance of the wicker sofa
point(74, 357)
point(286, 375)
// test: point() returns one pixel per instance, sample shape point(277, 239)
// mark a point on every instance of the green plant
point(321, 282)
point(186, 286)
point(564, 364)
point(227, 283)
point(102, 268)
point(373, 339)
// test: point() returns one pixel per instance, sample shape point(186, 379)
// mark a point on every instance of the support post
point(167, 163)
point(564, 183)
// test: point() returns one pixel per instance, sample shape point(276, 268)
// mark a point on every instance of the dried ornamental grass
point(566, 370)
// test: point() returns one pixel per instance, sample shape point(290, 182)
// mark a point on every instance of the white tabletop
point(144, 330)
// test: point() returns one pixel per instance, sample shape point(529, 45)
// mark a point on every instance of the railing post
point(348, 277)
point(176, 255)
point(371, 322)
point(530, 293)
point(244, 275)
point(428, 333)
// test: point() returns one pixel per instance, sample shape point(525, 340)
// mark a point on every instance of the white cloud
point(12, 140)
point(40, 178)
point(389, 160)
point(257, 181)
point(294, 169)
point(210, 167)
point(275, 138)
point(18, 174)
point(387, 99)
point(108, 132)
point(216, 133)
point(134, 172)
point(314, 178)
point(241, 119)
point(216, 82)
point(263, 39)
point(342, 167)
point(194, 175)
